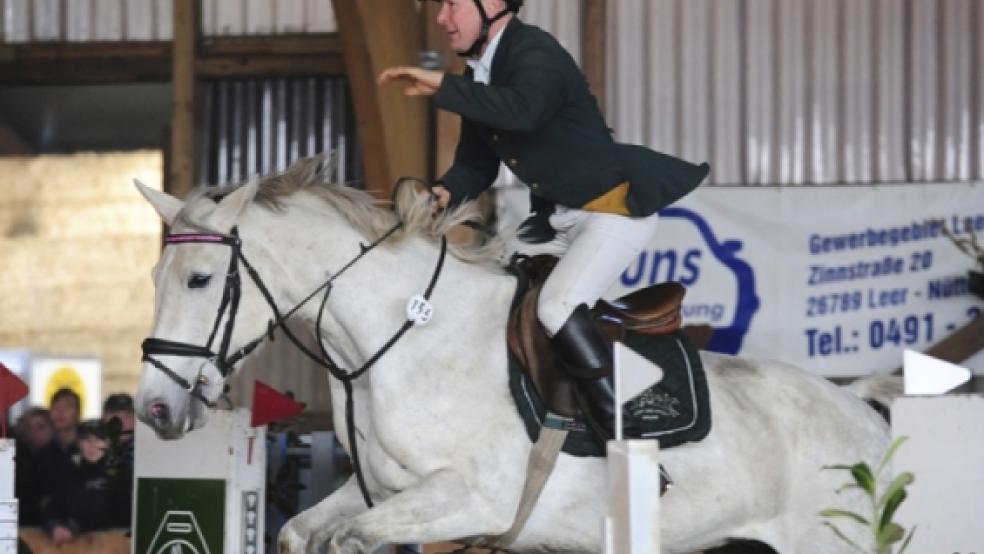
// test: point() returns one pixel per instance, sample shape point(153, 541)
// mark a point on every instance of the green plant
point(886, 532)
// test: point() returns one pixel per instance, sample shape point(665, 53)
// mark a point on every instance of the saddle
point(651, 311)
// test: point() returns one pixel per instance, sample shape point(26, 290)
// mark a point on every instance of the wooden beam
point(130, 62)
point(314, 44)
point(593, 47)
point(377, 34)
point(11, 142)
point(84, 63)
point(447, 125)
point(181, 177)
point(961, 344)
point(245, 66)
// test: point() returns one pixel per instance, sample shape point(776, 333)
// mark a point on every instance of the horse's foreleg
point(442, 506)
point(313, 527)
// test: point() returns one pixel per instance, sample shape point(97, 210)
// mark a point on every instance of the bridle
point(418, 312)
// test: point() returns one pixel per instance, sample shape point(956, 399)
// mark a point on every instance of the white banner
point(838, 280)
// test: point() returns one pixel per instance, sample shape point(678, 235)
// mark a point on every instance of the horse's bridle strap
point(230, 298)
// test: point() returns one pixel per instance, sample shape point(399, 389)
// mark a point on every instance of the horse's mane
point(368, 215)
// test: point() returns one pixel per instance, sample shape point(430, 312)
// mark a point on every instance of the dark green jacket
point(538, 116)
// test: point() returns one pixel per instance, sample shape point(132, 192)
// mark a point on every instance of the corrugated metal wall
point(562, 18)
point(803, 91)
point(251, 127)
point(115, 20)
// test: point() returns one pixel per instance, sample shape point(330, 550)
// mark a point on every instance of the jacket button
point(513, 162)
point(495, 138)
point(534, 186)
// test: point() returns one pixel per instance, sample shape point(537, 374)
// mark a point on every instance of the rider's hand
point(442, 197)
point(420, 82)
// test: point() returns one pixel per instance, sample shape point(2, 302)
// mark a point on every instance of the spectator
point(120, 406)
point(34, 434)
point(55, 460)
point(118, 417)
point(87, 497)
point(65, 413)
point(35, 429)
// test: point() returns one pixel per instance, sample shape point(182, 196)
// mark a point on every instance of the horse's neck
point(367, 303)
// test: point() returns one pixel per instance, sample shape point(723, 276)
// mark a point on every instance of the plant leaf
point(907, 540)
point(863, 477)
point(834, 512)
point(890, 506)
point(846, 486)
point(900, 482)
point(891, 452)
point(890, 534)
point(844, 537)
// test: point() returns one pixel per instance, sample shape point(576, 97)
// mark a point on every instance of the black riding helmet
point(483, 36)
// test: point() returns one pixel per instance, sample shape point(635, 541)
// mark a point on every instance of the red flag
point(12, 389)
point(270, 404)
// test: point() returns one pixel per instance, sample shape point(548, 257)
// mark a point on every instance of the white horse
point(442, 446)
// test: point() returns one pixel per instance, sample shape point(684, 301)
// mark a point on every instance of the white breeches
point(594, 249)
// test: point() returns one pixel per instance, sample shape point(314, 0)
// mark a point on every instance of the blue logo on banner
point(727, 338)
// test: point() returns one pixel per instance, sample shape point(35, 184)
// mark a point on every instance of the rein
point(418, 312)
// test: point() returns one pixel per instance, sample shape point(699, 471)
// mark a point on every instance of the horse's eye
point(198, 280)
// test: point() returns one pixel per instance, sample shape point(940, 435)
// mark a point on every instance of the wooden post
point(962, 344)
point(377, 34)
point(181, 177)
point(446, 124)
point(593, 47)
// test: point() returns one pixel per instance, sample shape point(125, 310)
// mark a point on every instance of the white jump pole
point(8, 503)
point(632, 524)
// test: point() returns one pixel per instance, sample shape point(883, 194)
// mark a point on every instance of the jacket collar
point(505, 44)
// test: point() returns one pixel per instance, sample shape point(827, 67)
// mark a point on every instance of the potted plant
point(885, 532)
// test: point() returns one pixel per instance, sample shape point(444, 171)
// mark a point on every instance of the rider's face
point(462, 22)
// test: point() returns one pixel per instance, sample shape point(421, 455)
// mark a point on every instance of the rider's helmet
point(483, 36)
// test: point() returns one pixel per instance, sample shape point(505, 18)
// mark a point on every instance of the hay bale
point(78, 243)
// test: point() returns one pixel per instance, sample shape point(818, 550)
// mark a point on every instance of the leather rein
point(418, 312)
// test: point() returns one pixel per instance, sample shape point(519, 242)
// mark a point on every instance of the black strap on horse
point(230, 299)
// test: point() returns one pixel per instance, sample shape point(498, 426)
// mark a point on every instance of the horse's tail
point(879, 391)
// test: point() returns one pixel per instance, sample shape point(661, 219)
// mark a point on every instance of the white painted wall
point(945, 452)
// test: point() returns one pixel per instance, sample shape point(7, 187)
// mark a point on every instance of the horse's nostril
point(159, 411)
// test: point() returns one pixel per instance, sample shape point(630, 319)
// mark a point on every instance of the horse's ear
point(232, 205)
point(166, 205)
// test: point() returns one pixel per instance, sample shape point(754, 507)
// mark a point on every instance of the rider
point(524, 101)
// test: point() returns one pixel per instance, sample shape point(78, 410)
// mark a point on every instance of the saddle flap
point(653, 310)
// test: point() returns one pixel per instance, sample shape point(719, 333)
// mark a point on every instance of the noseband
point(231, 293)
point(418, 312)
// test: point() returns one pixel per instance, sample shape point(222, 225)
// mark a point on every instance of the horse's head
point(200, 317)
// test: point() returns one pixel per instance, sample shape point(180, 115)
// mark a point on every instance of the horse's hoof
point(345, 541)
point(290, 541)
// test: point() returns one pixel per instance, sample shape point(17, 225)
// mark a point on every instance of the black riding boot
point(586, 356)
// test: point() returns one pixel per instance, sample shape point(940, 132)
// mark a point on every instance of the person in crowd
point(87, 496)
point(34, 434)
point(55, 459)
point(120, 406)
point(118, 419)
point(65, 411)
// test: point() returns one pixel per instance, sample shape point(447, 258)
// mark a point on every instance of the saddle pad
point(673, 411)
